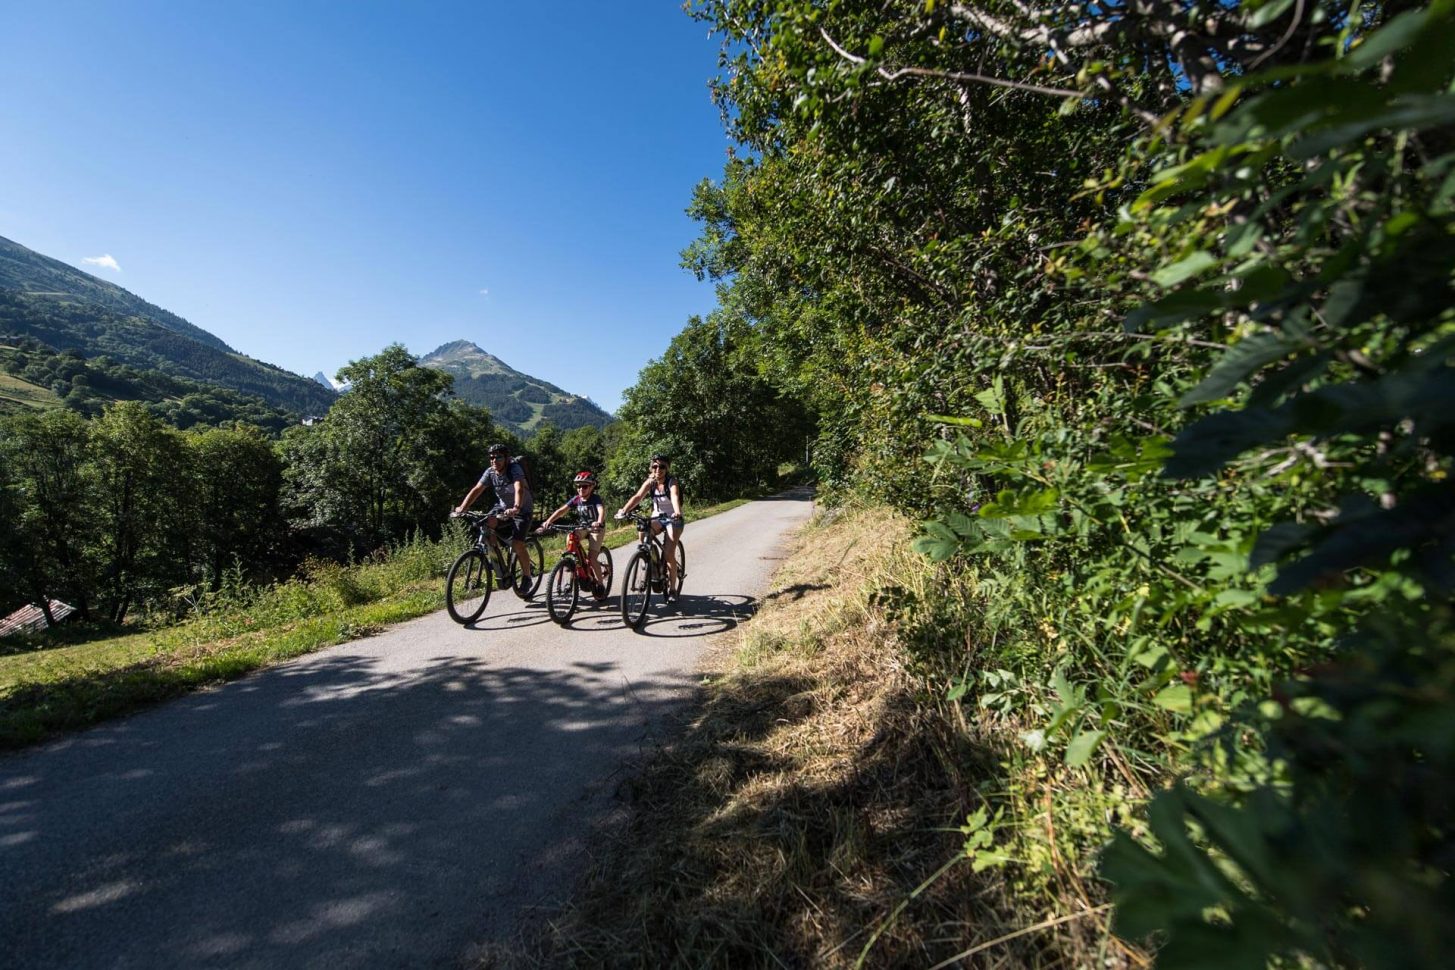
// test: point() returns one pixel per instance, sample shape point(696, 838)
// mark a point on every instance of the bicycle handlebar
point(565, 527)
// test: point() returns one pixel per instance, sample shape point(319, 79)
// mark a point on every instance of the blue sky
point(312, 181)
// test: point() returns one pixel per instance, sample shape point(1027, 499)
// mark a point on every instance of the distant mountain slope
point(33, 376)
point(28, 271)
point(516, 400)
point(70, 310)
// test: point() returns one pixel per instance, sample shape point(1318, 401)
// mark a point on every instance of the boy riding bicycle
point(590, 514)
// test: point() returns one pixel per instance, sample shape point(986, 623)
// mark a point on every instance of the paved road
point(388, 802)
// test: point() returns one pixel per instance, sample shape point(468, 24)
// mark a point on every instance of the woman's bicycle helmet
point(585, 477)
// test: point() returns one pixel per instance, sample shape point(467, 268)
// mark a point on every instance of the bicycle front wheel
point(636, 590)
point(467, 586)
point(681, 556)
point(562, 592)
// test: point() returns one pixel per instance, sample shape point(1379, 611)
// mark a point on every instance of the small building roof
point(31, 619)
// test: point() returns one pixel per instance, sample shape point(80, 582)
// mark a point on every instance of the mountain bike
point(646, 571)
point(575, 570)
point(488, 563)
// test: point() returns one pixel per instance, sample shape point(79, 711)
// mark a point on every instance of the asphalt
point(399, 801)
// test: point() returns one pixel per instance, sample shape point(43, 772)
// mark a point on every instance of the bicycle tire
point(636, 590)
point(537, 553)
point(606, 572)
point(467, 586)
point(681, 556)
point(562, 592)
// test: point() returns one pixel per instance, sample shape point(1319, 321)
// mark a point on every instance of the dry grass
point(808, 816)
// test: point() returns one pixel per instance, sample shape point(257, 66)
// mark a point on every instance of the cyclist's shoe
point(523, 588)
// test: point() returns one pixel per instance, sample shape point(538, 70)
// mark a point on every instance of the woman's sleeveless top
point(662, 500)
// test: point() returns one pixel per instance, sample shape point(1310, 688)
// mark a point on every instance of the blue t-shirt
point(504, 485)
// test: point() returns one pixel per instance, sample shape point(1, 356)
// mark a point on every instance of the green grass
point(16, 394)
point(58, 682)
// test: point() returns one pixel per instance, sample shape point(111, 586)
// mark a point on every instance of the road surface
point(394, 801)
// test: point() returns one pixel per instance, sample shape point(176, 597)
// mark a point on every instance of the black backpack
point(527, 466)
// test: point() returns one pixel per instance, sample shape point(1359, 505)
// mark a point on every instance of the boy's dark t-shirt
point(586, 509)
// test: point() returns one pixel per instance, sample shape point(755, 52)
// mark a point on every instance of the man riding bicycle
point(512, 501)
point(666, 495)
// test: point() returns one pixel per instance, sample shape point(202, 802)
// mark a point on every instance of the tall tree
point(706, 405)
point(140, 479)
point(238, 477)
point(54, 492)
point(391, 455)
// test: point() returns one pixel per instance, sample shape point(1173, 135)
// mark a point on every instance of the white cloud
point(484, 292)
point(106, 262)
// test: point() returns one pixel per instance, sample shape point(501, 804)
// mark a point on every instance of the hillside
point(30, 272)
point(516, 400)
point(34, 376)
point(70, 310)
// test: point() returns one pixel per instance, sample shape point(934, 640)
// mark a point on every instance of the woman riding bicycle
point(590, 513)
point(666, 495)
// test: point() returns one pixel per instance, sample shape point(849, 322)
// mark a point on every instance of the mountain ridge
point(69, 309)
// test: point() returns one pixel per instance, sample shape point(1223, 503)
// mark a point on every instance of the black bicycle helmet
point(662, 458)
point(498, 449)
point(585, 477)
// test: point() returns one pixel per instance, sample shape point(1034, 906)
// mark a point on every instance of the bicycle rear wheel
point(681, 557)
point(467, 586)
point(636, 590)
point(537, 554)
point(562, 592)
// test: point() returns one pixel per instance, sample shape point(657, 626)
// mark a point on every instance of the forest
point(1145, 311)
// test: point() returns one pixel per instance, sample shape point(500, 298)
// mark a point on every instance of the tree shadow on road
point(345, 814)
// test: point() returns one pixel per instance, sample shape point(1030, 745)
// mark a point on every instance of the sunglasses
point(658, 466)
point(498, 457)
point(586, 485)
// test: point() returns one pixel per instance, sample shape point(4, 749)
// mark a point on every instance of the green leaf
point(1413, 112)
point(1268, 13)
point(876, 44)
point(1175, 697)
point(1082, 746)
point(1174, 308)
point(1184, 269)
point(954, 420)
point(1206, 445)
point(1398, 33)
point(1235, 366)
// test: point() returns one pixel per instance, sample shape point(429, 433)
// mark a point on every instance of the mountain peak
point(455, 347)
point(516, 400)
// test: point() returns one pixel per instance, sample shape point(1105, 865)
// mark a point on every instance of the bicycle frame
point(585, 565)
point(651, 546)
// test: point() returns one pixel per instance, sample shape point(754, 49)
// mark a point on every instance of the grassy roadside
point(811, 812)
point(53, 684)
